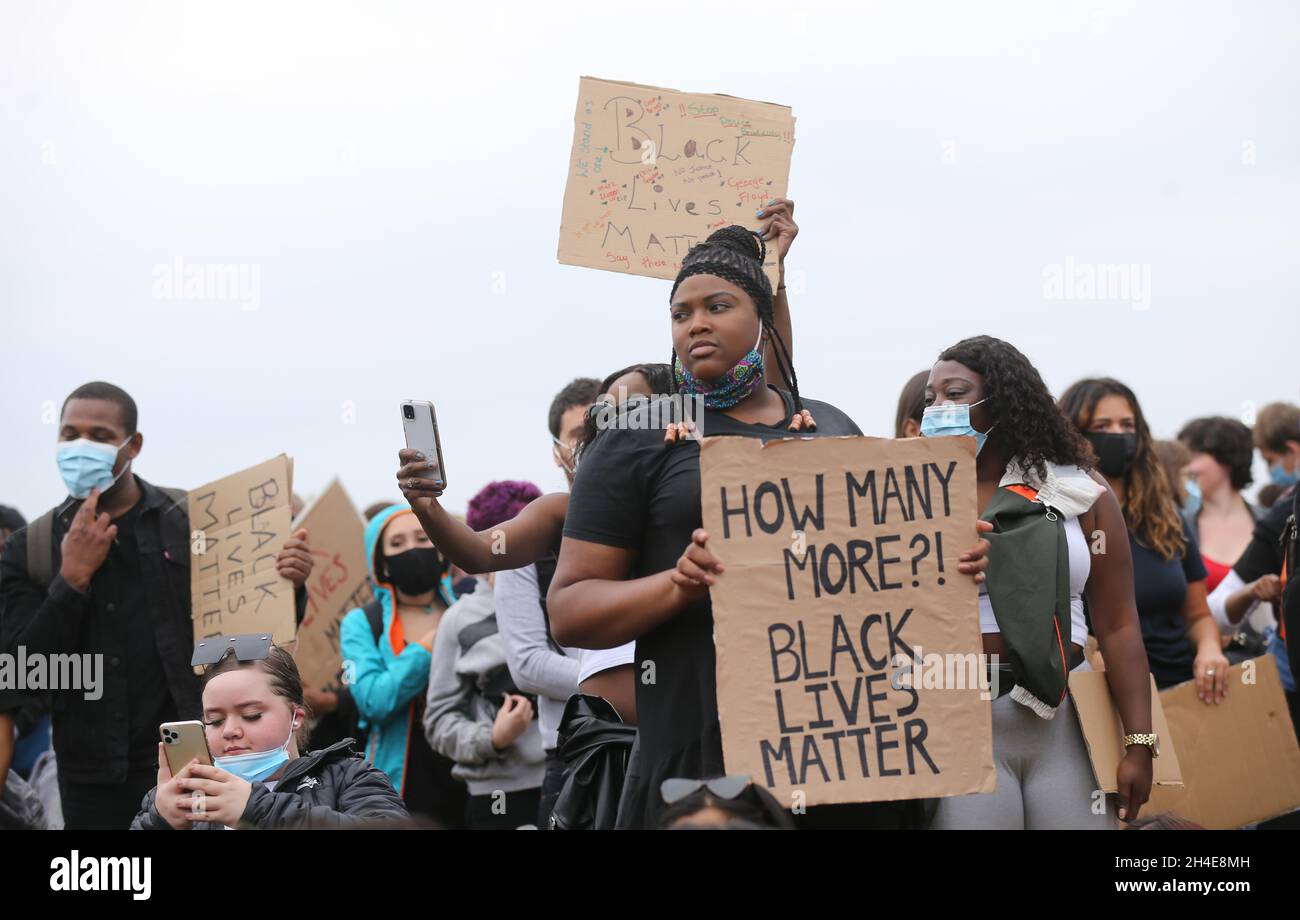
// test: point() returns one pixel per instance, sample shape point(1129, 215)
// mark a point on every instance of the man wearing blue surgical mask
point(106, 575)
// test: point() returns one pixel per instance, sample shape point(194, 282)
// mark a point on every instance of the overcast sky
point(378, 165)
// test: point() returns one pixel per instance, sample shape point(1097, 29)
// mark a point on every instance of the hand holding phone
point(422, 474)
point(183, 742)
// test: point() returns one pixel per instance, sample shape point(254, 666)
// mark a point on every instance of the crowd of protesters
point(493, 680)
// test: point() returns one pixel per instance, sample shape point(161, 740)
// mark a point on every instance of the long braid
point(785, 365)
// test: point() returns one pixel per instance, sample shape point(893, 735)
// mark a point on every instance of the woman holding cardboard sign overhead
point(635, 563)
point(1034, 485)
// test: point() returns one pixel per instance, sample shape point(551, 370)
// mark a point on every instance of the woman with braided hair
point(635, 563)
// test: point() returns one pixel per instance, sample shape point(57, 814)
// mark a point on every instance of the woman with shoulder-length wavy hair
point(1180, 635)
point(1035, 486)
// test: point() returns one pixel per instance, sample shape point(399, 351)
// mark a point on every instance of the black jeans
point(516, 809)
point(94, 807)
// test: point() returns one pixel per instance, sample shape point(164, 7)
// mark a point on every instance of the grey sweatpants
point(1045, 779)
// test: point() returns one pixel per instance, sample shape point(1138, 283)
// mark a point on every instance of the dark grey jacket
point(330, 788)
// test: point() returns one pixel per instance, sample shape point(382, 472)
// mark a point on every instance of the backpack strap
point(375, 617)
point(40, 549)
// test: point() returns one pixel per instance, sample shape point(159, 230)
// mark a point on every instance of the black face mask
point(416, 570)
point(1115, 452)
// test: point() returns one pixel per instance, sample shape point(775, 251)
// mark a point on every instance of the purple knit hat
point(499, 501)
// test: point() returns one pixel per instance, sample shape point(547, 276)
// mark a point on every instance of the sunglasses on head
point(247, 647)
point(674, 789)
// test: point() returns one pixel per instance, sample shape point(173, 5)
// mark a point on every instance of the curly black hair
point(1227, 440)
point(1029, 425)
point(737, 255)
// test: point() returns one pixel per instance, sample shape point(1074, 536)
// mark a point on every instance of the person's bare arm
point(520, 541)
point(779, 230)
point(1211, 666)
point(1119, 634)
point(592, 603)
point(1265, 589)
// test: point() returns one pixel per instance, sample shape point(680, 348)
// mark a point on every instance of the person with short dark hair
point(1277, 435)
point(1220, 519)
point(111, 577)
point(11, 520)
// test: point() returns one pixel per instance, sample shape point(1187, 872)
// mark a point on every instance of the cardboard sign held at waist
point(654, 171)
point(1240, 760)
point(1103, 732)
point(238, 525)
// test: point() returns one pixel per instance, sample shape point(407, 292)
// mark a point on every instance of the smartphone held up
point(420, 423)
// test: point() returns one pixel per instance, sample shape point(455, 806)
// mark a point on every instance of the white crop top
point(1080, 566)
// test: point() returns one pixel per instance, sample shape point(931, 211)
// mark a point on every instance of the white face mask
point(86, 465)
point(561, 451)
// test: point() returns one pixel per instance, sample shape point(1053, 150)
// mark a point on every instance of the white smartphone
point(421, 425)
point(183, 742)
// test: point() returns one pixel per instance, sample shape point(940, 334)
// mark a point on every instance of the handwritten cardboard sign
point(841, 597)
point(654, 171)
point(339, 583)
point(238, 525)
point(1239, 758)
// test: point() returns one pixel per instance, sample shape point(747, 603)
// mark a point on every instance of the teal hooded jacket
point(387, 682)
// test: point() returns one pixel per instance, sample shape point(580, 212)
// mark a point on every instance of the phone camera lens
point(408, 411)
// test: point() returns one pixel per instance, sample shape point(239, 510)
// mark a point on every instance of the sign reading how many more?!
point(848, 646)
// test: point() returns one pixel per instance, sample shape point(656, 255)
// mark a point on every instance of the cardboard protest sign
point(654, 171)
point(1239, 758)
point(339, 583)
point(1103, 731)
point(840, 559)
point(238, 525)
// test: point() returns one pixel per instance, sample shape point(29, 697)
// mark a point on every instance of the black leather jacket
point(594, 745)
point(332, 788)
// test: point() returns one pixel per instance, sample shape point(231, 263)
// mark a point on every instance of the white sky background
point(378, 162)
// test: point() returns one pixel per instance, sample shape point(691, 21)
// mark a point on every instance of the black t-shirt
point(1160, 588)
point(634, 492)
point(120, 598)
point(1263, 555)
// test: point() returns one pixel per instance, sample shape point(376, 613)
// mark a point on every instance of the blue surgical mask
point(86, 465)
point(1193, 505)
point(1277, 472)
point(952, 419)
point(256, 765)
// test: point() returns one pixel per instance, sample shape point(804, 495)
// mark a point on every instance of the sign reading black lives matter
point(847, 641)
point(238, 526)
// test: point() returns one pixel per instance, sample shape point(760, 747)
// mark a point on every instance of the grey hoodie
point(469, 666)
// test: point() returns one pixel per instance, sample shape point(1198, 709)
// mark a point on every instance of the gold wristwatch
point(1150, 741)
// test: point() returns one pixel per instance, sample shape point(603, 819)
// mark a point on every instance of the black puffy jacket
point(331, 788)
